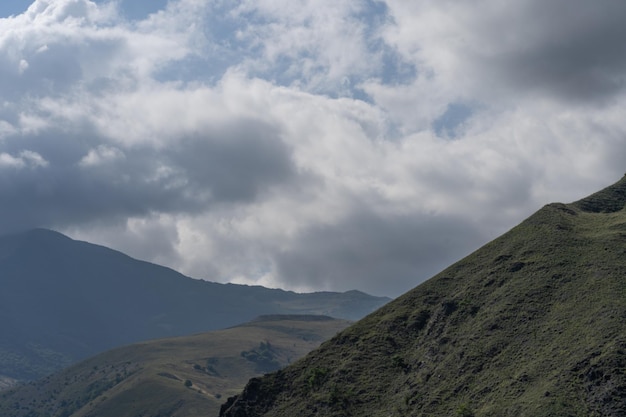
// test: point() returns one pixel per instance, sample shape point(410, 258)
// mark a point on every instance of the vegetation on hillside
point(187, 376)
point(531, 324)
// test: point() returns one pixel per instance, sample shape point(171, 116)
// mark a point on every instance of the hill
point(531, 324)
point(185, 376)
point(63, 300)
point(6, 382)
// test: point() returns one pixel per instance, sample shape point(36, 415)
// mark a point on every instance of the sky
point(305, 145)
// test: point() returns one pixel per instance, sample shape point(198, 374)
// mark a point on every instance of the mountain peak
point(608, 200)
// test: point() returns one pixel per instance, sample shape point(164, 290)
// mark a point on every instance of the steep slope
point(62, 300)
point(531, 324)
point(183, 376)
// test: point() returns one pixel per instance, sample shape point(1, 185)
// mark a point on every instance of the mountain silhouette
point(62, 300)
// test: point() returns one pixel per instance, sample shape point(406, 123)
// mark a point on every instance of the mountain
point(6, 382)
point(63, 300)
point(185, 376)
point(531, 324)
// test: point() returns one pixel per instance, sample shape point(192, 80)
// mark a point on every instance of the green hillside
point(531, 324)
point(186, 376)
point(63, 300)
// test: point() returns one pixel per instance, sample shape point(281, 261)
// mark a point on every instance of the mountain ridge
point(529, 324)
point(608, 200)
point(62, 300)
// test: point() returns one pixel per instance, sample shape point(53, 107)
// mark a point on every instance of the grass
point(188, 376)
point(531, 324)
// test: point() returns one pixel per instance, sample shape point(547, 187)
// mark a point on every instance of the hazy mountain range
point(531, 324)
point(62, 300)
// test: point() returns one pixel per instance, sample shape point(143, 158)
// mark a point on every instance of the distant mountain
point(6, 383)
point(531, 324)
point(62, 300)
point(188, 376)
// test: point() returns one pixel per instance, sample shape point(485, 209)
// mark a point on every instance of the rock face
point(530, 324)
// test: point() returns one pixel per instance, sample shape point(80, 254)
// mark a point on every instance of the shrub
point(316, 377)
point(464, 411)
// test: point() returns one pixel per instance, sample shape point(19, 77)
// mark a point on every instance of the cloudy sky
point(305, 144)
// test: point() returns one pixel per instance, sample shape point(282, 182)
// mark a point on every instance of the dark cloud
point(573, 49)
point(378, 254)
point(56, 196)
point(230, 166)
point(236, 163)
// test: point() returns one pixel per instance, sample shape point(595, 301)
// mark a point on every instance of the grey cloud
point(147, 238)
point(58, 195)
point(236, 163)
point(573, 49)
point(54, 64)
point(234, 167)
point(384, 255)
point(55, 72)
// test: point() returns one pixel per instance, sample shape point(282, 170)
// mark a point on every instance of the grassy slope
point(532, 324)
point(148, 379)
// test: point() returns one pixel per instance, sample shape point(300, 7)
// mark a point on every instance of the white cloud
point(77, 45)
point(322, 44)
point(297, 144)
point(6, 129)
point(7, 160)
point(25, 159)
point(23, 66)
point(101, 155)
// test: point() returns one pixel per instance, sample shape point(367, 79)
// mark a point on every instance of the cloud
point(347, 144)
point(100, 156)
point(374, 249)
point(25, 159)
point(570, 51)
point(69, 46)
point(319, 46)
